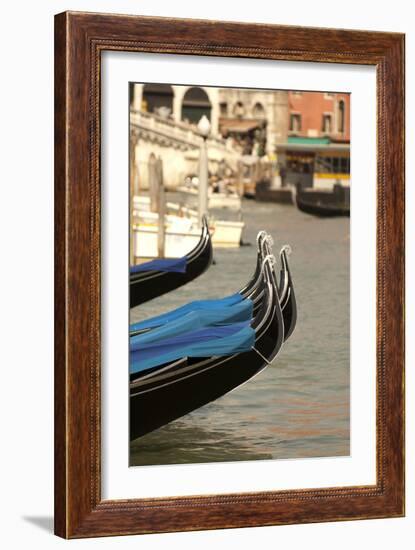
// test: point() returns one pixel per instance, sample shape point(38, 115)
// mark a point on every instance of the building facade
point(319, 114)
point(256, 120)
point(163, 123)
point(305, 136)
point(179, 103)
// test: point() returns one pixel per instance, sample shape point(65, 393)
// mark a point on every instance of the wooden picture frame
point(79, 40)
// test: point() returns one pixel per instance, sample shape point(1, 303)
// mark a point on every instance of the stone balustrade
point(180, 133)
point(178, 144)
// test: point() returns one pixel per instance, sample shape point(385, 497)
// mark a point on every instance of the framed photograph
point(229, 275)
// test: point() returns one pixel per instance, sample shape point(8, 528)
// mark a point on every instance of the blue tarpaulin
point(183, 310)
point(176, 265)
point(195, 320)
point(205, 342)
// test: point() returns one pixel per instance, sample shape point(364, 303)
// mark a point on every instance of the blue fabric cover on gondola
point(183, 310)
point(195, 320)
point(205, 342)
point(176, 265)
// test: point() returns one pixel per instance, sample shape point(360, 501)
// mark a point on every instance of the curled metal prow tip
point(269, 240)
point(287, 249)
point(260, 235)
point(269, 258)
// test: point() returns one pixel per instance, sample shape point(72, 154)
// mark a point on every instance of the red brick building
point(319, 114)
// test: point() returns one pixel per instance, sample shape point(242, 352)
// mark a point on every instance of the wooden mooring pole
point(133, 183)
point(152, 182)
point(161, 207)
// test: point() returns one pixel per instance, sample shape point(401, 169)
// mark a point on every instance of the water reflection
point(185, 441)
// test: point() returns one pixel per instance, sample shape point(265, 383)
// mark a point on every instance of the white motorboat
point(181, 230)
point(189, 197)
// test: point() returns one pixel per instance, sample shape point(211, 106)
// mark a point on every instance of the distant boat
point(159, 276)
point(264, 192)
point(230, 201)
point(321, 203)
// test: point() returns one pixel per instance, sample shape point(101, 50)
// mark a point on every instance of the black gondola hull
point(320, 210)
point(151, 410)
point(324, 204)
point(144, 289)
point(175, 390)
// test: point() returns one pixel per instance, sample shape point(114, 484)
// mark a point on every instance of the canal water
point(299, 406)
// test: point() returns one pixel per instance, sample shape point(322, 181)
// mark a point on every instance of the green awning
point(308, 140)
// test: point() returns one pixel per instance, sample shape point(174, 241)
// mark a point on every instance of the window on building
point(239, 109)
point(156, 97)
point(341, 116)
point(326, 126)
point(332, 165)
point(295, 122)
point(258, 111)
point(195, 104)
point(223, 108)
point(345, 165)
point(323, 165)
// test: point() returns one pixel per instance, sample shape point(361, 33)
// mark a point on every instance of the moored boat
point(181, 229)
point(252, 291)
point(171, 390)
point(157, 277)
point(323, 203)
point(229, 200)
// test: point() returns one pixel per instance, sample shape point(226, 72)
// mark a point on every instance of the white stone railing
point(180, 132)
